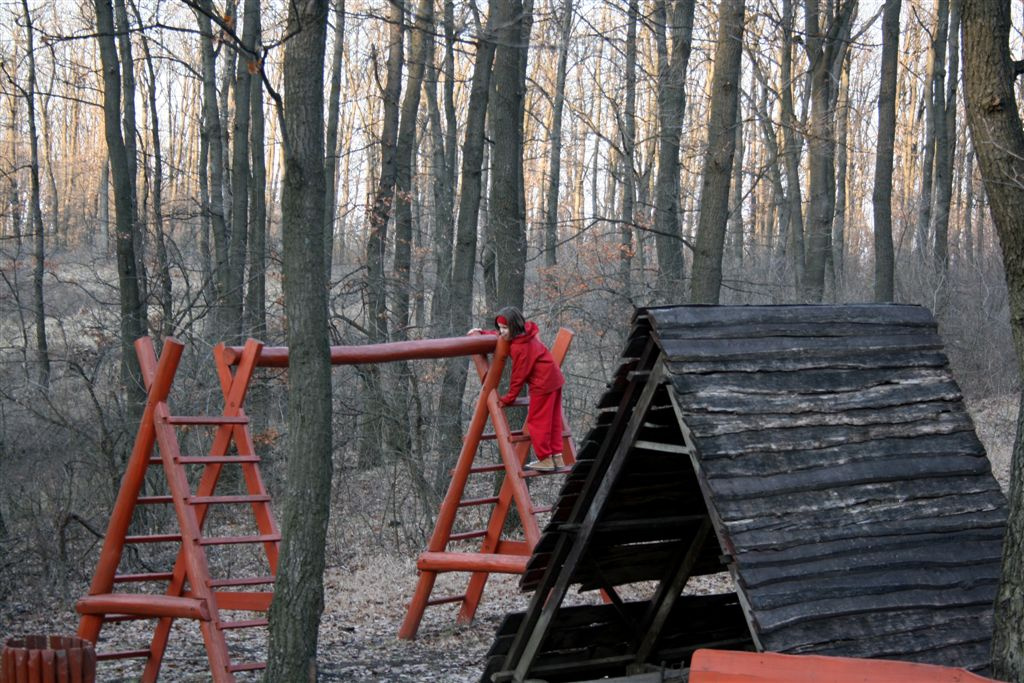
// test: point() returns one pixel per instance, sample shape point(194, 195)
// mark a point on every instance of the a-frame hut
point(821, 455)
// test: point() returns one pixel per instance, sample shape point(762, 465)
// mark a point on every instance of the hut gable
point(822, 455)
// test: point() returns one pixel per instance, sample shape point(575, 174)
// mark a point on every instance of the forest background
point(575, 158)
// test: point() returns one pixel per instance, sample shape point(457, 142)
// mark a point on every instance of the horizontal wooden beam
point(472, 562)
point(446, 347)
point(144, 605)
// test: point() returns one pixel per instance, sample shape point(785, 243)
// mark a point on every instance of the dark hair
point(516, 322)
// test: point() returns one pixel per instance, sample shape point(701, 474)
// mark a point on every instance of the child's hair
point(514, 319)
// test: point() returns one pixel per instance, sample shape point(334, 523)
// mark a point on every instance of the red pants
point(544, 422)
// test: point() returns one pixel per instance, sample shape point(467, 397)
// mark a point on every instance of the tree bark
point(555, 133)
point(998, 137)
point(507, 219)
point(256, 293)
point(792, 151)
point(215, 174)
point(132, 321)
point(163, 267)
point(298, 591)
point(333, 107)
point(881, 196)
point(628, 211)
point(945, 151)
point(671, 108)
point(42, 354)
point(714, 196)
point(454, 383)
point(826, 49)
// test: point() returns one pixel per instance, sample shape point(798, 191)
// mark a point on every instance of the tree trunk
point(420, 48)
point(671, 108)
point(945, 151)
point(555, 134)
point(507, 219)
point(628, 154)
point(372, 426)
point(793, 147)
point(215, 174)
point(163, 267)
point(734, 231)
point(838, 253)
point(35, 209)
point(132, 321)
point(299, 591)
point(998, 137)
point(256, 295)
point(245, 65)
point(714, 196)
point(13, 194)
point(333, 107)
point(826, 49)
point(128, 119)
point(452, 387)
point(881, 196)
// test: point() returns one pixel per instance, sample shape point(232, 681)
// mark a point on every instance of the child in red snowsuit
point(533, 365)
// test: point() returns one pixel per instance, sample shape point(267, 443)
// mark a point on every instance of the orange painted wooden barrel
point(42, 659)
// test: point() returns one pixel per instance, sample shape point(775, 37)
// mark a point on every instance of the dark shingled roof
point(828, 450)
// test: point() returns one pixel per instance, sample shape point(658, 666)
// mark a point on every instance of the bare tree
point(714, 196)
point(881, 197)
point(671, 107)
point(628, 132)
point(555, 132)
point(998, 137)
point(299, 588)
point(333, 106)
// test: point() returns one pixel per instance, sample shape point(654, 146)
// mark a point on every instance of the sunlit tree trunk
point(132, 322)
point(628, 210)
point(555, 134)
point(671, 107)
point(42, 353)
point(333, 107)
point(881, 197)
point(945, 151)
point(299, 588)
point(792, 151)
point(714, 195)
point(256, 294)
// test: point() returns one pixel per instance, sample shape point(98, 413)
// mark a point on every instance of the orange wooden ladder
point(190, 592)
point(495, 554)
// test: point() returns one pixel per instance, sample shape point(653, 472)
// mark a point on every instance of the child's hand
point(475, 330)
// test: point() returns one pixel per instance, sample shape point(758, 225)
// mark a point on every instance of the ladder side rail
point(235, 389)
point(492, 538)
point(449, 506)
point(158, 377)
point(196, 568)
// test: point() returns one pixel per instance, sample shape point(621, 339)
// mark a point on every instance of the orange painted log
point(725, 666)
point(446, 347)
point(144, 605)
point(40, 659)
point(472, 562)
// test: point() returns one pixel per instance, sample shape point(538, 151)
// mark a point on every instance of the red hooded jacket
point(532, 364)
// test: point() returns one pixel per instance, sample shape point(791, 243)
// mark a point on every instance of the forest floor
point(365, 604)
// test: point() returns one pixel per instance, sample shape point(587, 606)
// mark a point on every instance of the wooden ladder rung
point(213, 420)
point(446, 600)
point(472, 562)
point(484, 468)
point(231, 540)
point(144, 605)
point(250, 623)
point(137, 578)
point(218, 459)
point(246, 581)
point(228, 500)
point(470, 502)
point(466, 535)
point(153, 538)
point(542, 509)
point(121, 654)
point(247, 666)
point(154, 500)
